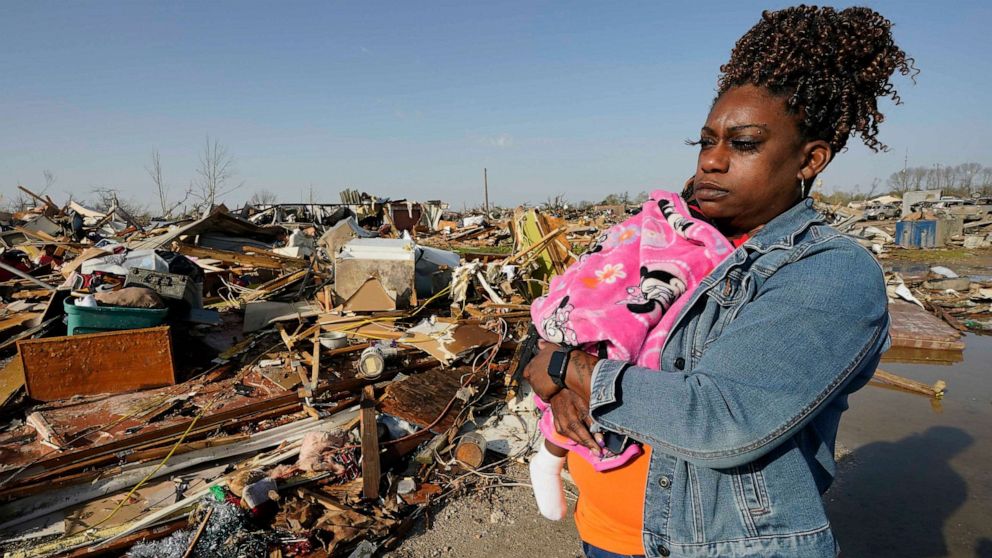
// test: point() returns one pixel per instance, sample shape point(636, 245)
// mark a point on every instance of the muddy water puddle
point(918, 482)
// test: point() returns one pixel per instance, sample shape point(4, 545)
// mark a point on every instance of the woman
point(742, 418)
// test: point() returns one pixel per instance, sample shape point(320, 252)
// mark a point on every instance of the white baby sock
point(545, 479)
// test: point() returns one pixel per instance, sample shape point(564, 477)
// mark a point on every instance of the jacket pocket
point(751, 495)
point(696, 503)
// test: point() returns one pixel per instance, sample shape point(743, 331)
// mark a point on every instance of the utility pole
point(485, 186)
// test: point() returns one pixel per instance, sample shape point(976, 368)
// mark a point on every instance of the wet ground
point(919, 480)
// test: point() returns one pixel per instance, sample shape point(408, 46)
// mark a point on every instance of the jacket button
point(663, 550)
point(664, 481)
point(680, 363)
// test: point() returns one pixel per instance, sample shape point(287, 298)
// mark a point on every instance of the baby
point(619, 301)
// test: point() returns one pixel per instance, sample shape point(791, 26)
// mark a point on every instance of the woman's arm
point(814, 325)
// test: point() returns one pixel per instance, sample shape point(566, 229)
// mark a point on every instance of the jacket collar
point(781, 231)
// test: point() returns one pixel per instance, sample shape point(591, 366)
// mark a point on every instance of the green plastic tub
point(82, 319)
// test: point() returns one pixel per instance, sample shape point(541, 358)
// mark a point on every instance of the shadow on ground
point(893, 498)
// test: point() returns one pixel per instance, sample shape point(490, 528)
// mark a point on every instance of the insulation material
point(228, 534)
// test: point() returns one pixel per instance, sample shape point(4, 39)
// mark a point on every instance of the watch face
point(556, 366)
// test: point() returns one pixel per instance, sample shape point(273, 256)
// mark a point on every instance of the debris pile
point(284, 380)
point(904, 247)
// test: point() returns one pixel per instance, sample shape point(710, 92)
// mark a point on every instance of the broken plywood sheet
point(914, 327)
point(360, 327)
point(148, 498)
point(371, 297)
point(446, 341)
point(113, 362)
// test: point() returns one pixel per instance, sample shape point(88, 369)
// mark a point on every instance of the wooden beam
point(370, 445)
point(315, 373)
point(48, 203)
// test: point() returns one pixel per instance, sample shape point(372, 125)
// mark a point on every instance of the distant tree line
point(215, 179)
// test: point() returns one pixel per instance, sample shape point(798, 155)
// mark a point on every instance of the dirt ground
point(501, 521)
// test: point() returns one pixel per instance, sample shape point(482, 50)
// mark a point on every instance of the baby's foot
point(545, 479)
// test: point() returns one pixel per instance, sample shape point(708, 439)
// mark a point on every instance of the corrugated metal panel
point(917, 234)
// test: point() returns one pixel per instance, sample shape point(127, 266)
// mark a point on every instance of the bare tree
point(984, 181)
point(216, 171)
point(900, 181)
point(49, 180)
point(875, 183)
point(108, 200)
point(264, 197)
point(966, 175)
point(20, 202)
point(155, 171)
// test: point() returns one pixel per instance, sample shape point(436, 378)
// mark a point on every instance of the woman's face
point(751, 158)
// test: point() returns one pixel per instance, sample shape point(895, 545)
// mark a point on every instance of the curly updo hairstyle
point(830, 66)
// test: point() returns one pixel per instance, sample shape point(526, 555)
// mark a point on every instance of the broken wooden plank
point(228, 257)
point(370, 445)
point(936, 390)
point(112, 362)
point(315, 373)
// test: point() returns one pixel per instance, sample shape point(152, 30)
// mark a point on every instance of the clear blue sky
point(413, 99)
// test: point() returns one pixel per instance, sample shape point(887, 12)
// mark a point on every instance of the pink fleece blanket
point(623, 295)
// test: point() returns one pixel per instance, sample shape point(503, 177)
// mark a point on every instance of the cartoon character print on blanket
point(658, 289)
point(555, 325)
point(631, 280)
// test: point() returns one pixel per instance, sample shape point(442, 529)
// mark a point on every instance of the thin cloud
point(500, 141)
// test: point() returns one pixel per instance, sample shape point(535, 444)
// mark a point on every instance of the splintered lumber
point(269, 287)
point(370, 445)
point(228, 257)
point(47, 202)
point(315, 372)
point(113, 362)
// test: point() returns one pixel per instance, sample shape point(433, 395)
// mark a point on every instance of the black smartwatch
point(558, 365)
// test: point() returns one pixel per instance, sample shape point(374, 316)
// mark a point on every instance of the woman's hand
point(578, 378)
point(536, 372)
point(571, 416)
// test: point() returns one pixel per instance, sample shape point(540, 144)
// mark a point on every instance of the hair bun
point(832, 67)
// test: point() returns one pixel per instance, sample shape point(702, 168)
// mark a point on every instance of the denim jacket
point(743, 416)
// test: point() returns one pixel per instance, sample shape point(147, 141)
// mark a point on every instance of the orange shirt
point(610, 510)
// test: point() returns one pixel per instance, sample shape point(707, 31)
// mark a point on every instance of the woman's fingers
point(571, 417)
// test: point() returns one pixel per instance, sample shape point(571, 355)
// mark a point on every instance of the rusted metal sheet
point(914, 327)
point(113, 362)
